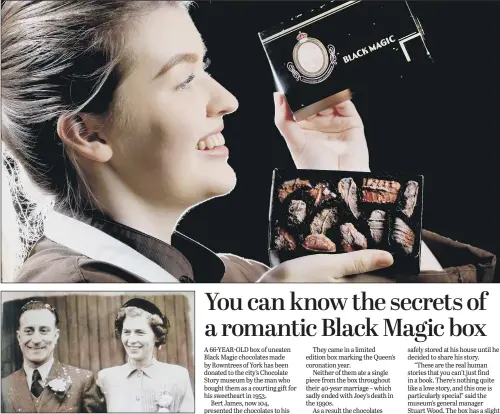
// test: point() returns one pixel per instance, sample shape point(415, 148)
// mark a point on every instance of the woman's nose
point(222, 101)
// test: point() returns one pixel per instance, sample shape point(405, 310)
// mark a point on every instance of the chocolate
point(324, 220)
point(376, 223)
point(284, 241)
point(380, 191)
point(319, 243)
point(314, 211)
point(410, 198)
point(352, 239)
point(297, 211)
point(288, 187)
point(321, 193)
point(403, 235)
point(349, 192)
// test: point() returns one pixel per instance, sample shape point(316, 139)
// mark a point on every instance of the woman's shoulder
point(49, 261)
point(172, 371)
point(111, 372)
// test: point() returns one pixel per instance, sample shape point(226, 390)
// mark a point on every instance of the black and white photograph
point(97, 352)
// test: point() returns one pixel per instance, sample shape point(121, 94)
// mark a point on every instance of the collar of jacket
point(97, 236)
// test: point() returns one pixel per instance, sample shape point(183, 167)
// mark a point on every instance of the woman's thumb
point(283, 118)
point(361, 262)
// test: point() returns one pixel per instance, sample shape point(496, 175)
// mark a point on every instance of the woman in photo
point(145, 384)
point(108, 108)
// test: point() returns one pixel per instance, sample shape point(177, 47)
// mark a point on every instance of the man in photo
point(43, 384)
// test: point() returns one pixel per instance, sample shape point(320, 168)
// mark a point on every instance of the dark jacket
point(82, 396)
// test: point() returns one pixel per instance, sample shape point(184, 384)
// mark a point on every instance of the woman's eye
point(185, 84)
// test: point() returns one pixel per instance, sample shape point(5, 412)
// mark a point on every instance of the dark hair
point(58, 58)
point(38, 305)
point(158, 322)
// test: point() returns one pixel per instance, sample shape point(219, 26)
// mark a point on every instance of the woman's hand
point(325, 268)
point(333, 139)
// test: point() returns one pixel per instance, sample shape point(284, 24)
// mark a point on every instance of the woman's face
point(168, 110)
point(138, 338)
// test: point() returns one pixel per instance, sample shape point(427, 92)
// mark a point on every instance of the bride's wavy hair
point(160, 325)
point(58, 58)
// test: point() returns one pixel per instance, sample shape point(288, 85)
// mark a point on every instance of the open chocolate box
point(315, 211)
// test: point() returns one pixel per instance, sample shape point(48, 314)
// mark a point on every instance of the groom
point(43, 384)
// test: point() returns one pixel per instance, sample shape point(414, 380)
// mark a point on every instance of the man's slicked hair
point(38, 305)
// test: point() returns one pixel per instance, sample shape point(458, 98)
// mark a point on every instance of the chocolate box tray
point(316, 211)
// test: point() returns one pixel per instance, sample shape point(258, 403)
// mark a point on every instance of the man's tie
point(36, 387)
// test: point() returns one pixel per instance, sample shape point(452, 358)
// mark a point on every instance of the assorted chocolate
point(410, 198)
point(352, 239)
point(377, 224)
point(339, 212)
point(403, 235)
point(380, 191)
point(349, 192)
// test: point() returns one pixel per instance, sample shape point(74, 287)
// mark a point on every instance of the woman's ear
point(82, 133)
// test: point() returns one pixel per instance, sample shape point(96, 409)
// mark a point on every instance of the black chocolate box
point(343, 45)
point(315, 211)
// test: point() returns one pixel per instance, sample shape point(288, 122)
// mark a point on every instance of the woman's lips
point(222, 151)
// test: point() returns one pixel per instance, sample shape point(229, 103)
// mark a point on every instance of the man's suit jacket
point(82, 396)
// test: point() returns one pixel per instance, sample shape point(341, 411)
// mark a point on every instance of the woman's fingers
point(338, 118)
point(329, 268)
point(346, 108)
point(363, 261)
point(331, 123)
point(286, 124)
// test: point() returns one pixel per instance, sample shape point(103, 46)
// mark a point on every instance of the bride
point(144, 384)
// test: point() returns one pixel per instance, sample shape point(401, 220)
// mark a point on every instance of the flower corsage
point(163, 401)
point(60, 386)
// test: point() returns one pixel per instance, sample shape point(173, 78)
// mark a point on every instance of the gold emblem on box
point(312, 61)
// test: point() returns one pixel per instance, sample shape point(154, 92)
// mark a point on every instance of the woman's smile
point(213, 144)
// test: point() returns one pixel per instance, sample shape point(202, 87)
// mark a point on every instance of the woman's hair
point(159, 325)
point(59, 58)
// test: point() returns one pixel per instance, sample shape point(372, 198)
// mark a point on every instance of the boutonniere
point(60, 385)
point(163, 401)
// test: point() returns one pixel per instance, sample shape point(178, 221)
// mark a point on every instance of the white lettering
point(371, 48)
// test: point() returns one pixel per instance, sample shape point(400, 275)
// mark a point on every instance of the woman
point(123, 126)
point(144, 384)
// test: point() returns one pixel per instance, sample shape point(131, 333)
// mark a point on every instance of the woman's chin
point(221, 182)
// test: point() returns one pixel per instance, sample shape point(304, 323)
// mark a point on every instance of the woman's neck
point(157, 220)
point(137, 364)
